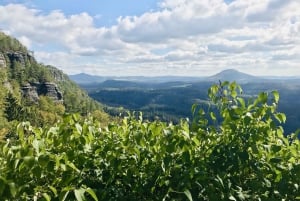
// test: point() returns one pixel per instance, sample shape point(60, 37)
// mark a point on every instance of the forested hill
point(35, 92)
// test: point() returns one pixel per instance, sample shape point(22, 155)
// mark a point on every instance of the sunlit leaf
point(276, 96)
point(92, 193)
point(188, 195)
point(79, 194)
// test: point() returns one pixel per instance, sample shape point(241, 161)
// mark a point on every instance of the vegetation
point(171, 101)
point(10, 44)
point(242, 155)
point(22, 69)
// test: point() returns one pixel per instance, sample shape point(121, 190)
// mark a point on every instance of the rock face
point(49, 89)
point(32, 91)
point(20, 57)
point(2, 61)
point(58, 75)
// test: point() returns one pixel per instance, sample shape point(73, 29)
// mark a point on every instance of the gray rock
point(32, 91)
point(20, 57)
point(50, 89)
point(2, 61)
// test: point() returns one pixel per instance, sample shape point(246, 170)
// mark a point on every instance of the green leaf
point(47, 197)
point(78, 128)
point(92, 193)
point(63, 195)
point(263, 97)
point(36, 146)
point(54, 191)
point(225, 83)
point(233, 94)
point(280, 117)
point(71, 165)
point(79, 194)
point(188, 195)
point(241, 101)
point(29, 161)
point(275, 160)
point(194, 107)
point(218, 179)
point(276, 96)
point(213, 116)
point(43, 160)
point(2, 185)
point(12, 189)
point(275, 148)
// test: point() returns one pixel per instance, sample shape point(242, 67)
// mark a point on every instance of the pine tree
point(12, 109)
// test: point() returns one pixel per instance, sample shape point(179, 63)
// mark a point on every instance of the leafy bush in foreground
point(242, 155)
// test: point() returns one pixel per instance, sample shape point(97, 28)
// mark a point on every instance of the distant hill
point(229, 75)
point(232, 75)
point(84, 78)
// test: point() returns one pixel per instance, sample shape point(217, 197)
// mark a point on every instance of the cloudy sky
point(159, 37)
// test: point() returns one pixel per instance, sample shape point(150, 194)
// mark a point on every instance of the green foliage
point(244, 157)
point(10, 44)
point(76, 100)
point(12, 109)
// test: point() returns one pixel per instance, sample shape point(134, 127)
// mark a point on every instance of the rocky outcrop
point(20, 57)
point(50, 89)
point(32, 91)
point(58, 75)
point(2, 61)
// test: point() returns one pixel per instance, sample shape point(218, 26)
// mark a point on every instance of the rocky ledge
point(2, 60)
point(32, 91)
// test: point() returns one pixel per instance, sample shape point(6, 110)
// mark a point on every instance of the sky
point(159, 37)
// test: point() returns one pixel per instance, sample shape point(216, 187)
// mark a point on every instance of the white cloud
point(181, 37)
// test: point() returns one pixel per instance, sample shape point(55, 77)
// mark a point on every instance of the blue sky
point(165, 37)
point(105, 12)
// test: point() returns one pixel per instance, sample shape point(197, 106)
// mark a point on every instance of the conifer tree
point(12, 109)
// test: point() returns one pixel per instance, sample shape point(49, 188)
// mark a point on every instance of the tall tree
point(12, 109)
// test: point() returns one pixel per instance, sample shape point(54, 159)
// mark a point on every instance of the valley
point(171, 98)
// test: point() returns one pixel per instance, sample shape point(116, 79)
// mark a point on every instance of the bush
point(242, 155)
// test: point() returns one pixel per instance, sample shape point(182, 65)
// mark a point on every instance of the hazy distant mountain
point(86, 78)
point(232, 75)
point(229, 75)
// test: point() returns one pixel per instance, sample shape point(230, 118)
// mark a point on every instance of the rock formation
point(2, 61)
point(19, 56)
point(32, 91)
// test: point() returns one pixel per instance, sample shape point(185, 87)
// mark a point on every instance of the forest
point(170, 98)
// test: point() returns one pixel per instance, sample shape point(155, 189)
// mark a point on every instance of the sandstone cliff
point(32, 91)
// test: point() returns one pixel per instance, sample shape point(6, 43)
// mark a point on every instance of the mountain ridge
point(228, 74)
